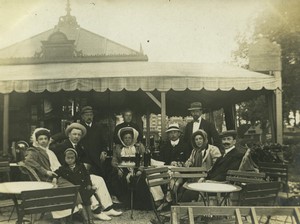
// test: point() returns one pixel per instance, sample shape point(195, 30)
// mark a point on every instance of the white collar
point(228, 150)
point(174, 143)
point(89, 125)
point(74, 144)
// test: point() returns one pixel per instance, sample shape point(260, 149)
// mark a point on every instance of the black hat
point(86, 109)
point(195, 106)
point(232, 133)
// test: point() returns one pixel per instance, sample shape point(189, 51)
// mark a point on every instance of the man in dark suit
point(199, 123)
point(230, 160)
point(93, 142)
point(174, 149)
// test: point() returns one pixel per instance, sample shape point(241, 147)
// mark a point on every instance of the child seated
point(77, 174)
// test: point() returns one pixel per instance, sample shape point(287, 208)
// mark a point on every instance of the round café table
point(15, 188)
point(213, 187)
point(19, 186)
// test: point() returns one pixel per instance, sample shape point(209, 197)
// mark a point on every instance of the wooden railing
point(236, 213)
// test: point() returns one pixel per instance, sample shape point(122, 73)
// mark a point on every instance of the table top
point(19, 186)
point(129, 165)
point(213, 187)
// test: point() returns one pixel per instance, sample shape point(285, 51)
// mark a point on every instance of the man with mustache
point(199, 123)
point(230, 160)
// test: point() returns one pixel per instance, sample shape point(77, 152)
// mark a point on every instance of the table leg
point(131, 203)
point(19, 216)
point(207, 198)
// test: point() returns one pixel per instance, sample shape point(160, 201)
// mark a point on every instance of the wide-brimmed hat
point(232, 133)
point(173, 127)
point(86, 109)
point(195, 106)
point(75, 126)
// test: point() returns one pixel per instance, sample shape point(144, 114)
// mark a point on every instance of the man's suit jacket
point(179, 153)
point(231, 161)
point(212, 134)
point(60, 148)
point(94, 143)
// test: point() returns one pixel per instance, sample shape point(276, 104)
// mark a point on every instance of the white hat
point(173, 127)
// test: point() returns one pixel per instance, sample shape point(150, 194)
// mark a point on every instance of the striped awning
point(131, 76)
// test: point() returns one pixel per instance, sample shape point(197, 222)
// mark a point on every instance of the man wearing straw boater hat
point(174, 150)
point(199, 123)
point(75, 132)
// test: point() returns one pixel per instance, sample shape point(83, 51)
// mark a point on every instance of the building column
point(5, 145)
point(278, 109)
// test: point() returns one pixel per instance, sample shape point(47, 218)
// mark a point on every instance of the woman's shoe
point(112, 212)
point(102, 216)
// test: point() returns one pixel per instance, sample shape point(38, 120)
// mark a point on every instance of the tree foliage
point(280, 23)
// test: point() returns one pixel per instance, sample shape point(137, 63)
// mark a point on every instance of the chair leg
point(154, 208)
point(12, 211)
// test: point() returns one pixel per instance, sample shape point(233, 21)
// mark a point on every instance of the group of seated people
point(77, 160)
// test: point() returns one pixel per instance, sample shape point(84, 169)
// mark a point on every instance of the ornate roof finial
point(68, 8)
point(67, 20)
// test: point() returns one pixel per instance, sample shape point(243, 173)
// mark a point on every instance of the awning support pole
point(148, 128)
point(163, 115)
point(271, 110)
point(278, 106)
point(5, 124)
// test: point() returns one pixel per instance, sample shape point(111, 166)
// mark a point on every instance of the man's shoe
point(112, 212)
point(102, 216)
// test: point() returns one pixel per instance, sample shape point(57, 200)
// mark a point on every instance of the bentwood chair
point(276, 172)
point(157, 177)
point(259, 194)
point(240, 177)
point(5, 176)
point(5, 170)
point(47, 200)
point(28, 171)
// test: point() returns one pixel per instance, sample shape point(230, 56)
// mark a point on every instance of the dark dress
point(78, 176)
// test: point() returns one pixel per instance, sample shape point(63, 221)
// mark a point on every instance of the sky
point(169, 30)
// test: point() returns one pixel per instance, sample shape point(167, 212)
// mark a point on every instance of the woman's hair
point(125, 132)
point(204, 136)
point(38, 132)
point(42, 132)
